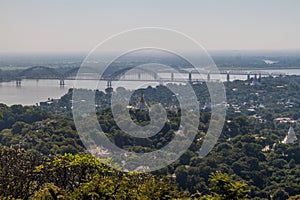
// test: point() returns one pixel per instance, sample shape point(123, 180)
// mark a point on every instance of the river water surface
point(34, 91)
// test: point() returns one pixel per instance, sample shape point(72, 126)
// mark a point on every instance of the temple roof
point(142, 104)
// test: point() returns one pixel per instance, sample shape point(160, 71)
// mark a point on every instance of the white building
point(290, 137)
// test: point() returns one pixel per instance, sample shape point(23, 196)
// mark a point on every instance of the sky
point(79, 25)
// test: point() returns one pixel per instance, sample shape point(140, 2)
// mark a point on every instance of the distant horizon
point(208, 50)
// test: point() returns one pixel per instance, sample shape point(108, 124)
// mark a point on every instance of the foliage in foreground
point(27, 175)
point(224, 187)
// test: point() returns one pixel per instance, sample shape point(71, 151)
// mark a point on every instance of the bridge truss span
point(136, 74)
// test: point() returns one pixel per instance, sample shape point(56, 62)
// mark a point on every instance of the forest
point(43, 157)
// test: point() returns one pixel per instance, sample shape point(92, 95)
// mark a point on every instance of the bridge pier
point(259, 77)
point(228, 77)
point(139, 76)
point(190, 76)
point(18, 82)
point(109, 88)
point(208, 77)
point(172, 76)
point(62, 82)
point(248, 76)
point(108, 84)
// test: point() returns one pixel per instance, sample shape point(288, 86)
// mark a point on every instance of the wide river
point(32, 92)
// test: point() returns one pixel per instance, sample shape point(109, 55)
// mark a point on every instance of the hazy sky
point(79, 25)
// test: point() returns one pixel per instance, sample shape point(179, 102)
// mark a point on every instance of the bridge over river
point(137, 74)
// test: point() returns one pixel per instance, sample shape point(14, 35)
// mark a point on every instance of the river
point(32, 91)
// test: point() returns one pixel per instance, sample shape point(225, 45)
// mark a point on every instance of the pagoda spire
point(291, 136)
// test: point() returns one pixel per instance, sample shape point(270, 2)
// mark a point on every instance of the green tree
point(17, 173)
point(280, 194)
point(224, 188)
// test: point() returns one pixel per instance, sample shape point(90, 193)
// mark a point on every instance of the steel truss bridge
point(137, 74)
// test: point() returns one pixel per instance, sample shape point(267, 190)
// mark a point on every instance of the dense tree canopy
point(42, 156)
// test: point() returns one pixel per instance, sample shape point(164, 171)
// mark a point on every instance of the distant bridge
point(136, 74)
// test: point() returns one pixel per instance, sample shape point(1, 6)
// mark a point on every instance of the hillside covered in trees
point(42, 156)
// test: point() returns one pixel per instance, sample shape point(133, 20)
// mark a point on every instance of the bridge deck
point(132, 74)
